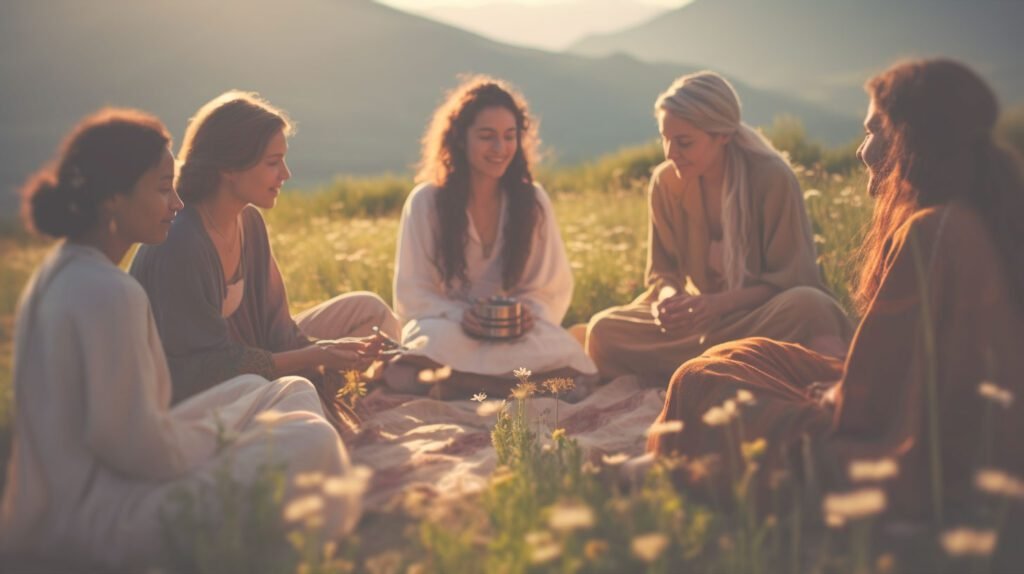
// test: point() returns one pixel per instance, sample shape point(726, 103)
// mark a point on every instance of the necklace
point(231, 245)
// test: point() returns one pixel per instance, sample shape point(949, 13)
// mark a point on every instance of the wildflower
point(590, 468)
point(432, 376)
point(558, 434)
point(996, 394)
point(716, 417)
point(873, 470)
point(753, 449)
point(303, 507)
point(309, 479)
point(665, 427)
point(745, 397)
point(969, 542)
point(480, 397)
point(489, 408)
point(522, 373)
point(856, 504)
point(568, 516)
point(615, 459)
point(524, 390)
point(559, 385)
point(999, 483)
point(545, 553)
point(351, 484)
point(354, 387)
point(648, 547)
point(595, 549)
point(811, 193)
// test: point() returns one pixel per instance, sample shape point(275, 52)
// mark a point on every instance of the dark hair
point(444, 164)
point(940, 117)
point(230, 132)
point(105, 154)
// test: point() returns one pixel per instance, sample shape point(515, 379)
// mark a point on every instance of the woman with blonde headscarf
point(730, 248)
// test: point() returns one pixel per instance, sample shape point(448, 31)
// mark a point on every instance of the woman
point(942, 295)
point(216, 290)
point(730, 249)
point(97, 449)
point(475, 227)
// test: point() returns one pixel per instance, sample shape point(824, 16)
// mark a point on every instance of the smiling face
point(144, 215)
point(491, 142)
point(873, 150)
point(692, 151)
point(261, 183)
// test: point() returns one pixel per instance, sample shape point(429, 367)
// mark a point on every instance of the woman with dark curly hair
point(478, 226)
point(936, 362)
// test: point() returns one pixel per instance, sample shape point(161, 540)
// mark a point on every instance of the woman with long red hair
point(936, 361)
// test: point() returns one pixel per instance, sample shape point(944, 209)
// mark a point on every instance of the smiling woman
point(476, 227)
point(98, 451)
point(217, 293)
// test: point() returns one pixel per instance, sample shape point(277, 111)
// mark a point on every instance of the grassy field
point(342, 237)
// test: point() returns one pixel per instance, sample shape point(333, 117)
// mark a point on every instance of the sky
point(546, 24)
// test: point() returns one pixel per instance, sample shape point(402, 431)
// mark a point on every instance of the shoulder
point(184, 245)
point(543, 199)
point(421, 197)
point(663, 178)
point(253, 223)
point(952, 222)
point(96, 289)
point(770, 173)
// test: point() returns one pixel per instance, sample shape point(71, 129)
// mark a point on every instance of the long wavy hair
point(938, 117)
point(229, 133)
point(709, 102)
point(444, 164)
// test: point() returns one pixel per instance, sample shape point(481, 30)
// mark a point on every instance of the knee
point(688, 376)
point(379, 312)
point(806, 301)
point(597, 336)
point(295, 384)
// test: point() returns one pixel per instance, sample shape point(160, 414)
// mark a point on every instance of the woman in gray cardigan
point(217, 293)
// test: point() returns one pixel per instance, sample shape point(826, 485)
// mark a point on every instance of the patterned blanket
point(444, 447)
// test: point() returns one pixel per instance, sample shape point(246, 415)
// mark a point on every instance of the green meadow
point(547, 509)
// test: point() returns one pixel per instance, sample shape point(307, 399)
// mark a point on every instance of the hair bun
point(53, 209)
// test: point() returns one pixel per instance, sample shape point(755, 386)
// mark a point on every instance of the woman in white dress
point(478, 226)
point(97, 449)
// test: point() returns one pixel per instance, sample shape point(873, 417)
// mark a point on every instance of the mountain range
point(359, 78)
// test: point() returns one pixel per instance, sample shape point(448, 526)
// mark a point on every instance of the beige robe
point(626, 339)
point(97, 448)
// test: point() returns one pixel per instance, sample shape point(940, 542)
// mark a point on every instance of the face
point(491, 142)
point(693, 152)
point(261, 184)
point(145, 214)
point(873, 149)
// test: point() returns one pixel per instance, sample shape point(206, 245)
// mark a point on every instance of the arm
point(127, 424)
point(418, 285)
point(546, 284)
point(664, 271)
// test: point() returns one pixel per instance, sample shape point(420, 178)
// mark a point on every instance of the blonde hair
point(229, 133)
point(709, 102)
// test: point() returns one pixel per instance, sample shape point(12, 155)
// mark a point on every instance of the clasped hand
point(687, 313)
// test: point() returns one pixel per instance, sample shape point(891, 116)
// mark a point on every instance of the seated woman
point(217, 294)
point(478, 226)
point(730, 248)
point(97, 450)
point(942, 295)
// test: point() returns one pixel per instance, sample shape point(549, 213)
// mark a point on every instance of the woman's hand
point(684, 312)
point(349, 352)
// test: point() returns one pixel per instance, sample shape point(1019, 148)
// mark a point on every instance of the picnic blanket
point(444, 447)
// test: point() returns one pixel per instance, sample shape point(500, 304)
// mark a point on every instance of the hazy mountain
point(359, 78)
point(823, 50)
point(548, 25)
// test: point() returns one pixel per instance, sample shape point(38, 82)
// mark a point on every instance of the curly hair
point(444, 164)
